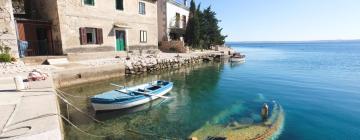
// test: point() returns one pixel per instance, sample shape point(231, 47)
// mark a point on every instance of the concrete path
point(29, 114)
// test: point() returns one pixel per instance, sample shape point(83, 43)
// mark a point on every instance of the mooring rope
point(62, 92)
point(11, 136)
point(81, 111)
point(55, 114)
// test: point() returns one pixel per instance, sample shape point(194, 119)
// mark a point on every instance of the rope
point(11, 136)
point(62, 92)
point(87, 133)
point(83, 112)
point(54, 114)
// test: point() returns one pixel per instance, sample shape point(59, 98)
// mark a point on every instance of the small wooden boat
point(237, 57)
point(131, 96)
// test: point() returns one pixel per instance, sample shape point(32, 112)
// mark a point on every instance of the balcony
point(177, 23)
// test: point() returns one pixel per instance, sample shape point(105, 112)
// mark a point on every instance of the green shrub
point(5, 57)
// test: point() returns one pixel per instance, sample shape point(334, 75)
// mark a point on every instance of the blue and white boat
point(128, 97)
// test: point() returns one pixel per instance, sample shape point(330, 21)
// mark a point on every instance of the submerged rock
point(245, 129)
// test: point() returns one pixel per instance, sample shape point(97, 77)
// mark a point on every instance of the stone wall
point(139, 64)
point(74, 14)
point(7, 27)
point(173, 46)
point(73, 77)
point(95, 55)
point(91, 49)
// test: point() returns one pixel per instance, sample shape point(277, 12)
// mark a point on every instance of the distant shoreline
point(287, 42)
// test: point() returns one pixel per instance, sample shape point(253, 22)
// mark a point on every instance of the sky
point(287, 20)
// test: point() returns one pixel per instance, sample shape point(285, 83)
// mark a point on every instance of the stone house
point(172, 19)
point(76, 26)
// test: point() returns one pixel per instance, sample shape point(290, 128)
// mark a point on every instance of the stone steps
point(38, 60)
point(58, 61)
point(94, 55)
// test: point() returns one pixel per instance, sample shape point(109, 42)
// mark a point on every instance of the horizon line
point(295, 41)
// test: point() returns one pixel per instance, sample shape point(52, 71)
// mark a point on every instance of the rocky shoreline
point(137, 64)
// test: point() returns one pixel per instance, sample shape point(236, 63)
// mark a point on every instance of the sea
point(316, 83)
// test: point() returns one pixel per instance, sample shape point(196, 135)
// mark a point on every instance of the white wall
point(171, 10)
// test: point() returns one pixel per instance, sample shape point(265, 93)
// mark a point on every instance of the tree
point(203, 29)
point(211, 32)
point(192, 34)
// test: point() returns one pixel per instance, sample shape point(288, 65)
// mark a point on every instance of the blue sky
point(287, 20)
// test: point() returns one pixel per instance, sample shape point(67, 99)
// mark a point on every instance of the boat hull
point(120, 105)
point(237, 59)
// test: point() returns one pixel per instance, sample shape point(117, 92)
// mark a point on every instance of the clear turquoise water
point(317, 84)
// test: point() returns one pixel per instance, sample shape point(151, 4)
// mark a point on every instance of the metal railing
point(177, 23)
point(40, 47)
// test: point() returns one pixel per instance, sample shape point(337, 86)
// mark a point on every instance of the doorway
point(120, 40)
point(38, 36)
point(42, 41)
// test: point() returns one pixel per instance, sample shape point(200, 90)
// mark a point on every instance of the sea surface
point(316, 83)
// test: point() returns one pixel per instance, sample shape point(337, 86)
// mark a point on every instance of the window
point(143, 36)
point(177, 20)
point(184, 21)
point(89, 2)
point(119, 4)
point(142, 8)
point(91, 36)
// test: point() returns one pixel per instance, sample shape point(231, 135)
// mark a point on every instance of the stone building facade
point(172, 19)
point(87, 25)
point(134, 21)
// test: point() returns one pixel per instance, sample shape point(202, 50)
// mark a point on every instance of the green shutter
point(119, 5)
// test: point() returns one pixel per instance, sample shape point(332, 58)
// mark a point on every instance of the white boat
point(237, 57)
point(131, 96)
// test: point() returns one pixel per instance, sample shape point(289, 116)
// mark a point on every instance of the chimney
point(185, 2)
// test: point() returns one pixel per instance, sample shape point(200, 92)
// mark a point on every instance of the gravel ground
point(19, 68)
